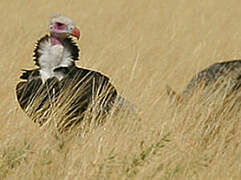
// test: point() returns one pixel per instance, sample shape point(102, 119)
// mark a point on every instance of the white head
point(61, 27)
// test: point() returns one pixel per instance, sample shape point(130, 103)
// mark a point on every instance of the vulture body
point(224, 77)
point(227, 73)
point(58, 85)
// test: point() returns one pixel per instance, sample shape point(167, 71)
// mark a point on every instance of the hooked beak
point(76, 33)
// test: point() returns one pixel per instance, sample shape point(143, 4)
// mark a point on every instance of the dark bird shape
point(223, 77)
point(59, 85)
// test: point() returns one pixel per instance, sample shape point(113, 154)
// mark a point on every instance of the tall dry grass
point(142, 46)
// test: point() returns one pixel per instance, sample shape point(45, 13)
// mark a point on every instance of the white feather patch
point(51, 58)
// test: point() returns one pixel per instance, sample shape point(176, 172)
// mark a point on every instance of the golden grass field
point(142, 46)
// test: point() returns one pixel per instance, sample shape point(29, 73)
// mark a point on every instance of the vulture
point(59, 89)
point(224, 77)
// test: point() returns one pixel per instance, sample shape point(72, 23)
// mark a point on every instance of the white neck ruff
point(52, 57)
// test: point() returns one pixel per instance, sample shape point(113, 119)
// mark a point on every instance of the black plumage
point(79, 90)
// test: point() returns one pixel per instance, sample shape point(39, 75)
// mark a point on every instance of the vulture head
point(56, 52)
point(61, 27)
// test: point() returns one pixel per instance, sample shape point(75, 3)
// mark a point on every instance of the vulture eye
point(71, 28)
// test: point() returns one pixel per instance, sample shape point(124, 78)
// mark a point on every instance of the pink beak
point(76, 33)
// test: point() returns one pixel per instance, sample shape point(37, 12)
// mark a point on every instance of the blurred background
point(140, 45)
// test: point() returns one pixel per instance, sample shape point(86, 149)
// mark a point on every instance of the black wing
point(33, 95)
point(81, 89)
point(88, 89)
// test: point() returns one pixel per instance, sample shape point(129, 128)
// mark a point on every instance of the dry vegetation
point(142, 46)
